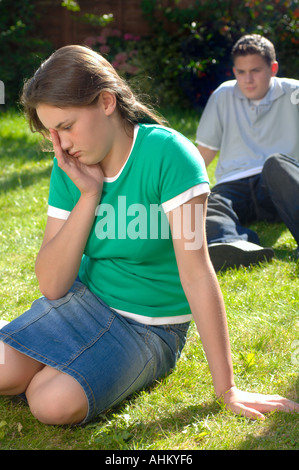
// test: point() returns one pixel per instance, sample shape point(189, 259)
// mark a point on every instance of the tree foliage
point(20, 46)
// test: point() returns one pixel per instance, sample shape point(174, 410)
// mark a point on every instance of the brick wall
point(61, 27)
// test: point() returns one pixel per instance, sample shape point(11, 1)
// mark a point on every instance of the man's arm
point(207, 154)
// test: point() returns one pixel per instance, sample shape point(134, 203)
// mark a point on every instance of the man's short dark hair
point(254, 44)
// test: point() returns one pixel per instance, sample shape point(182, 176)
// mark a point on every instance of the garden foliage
point(187, 53)
point(183, 59)
point(195, 56)
point(21, 48)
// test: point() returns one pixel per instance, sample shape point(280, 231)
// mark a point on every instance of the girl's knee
point(54, 411)
point(58, 401)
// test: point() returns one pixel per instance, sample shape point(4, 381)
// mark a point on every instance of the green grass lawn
point(180, 412)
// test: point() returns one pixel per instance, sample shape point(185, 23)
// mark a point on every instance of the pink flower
point(102, 39)
point(107, 32)
point(133, 69)
point(121, 57)
point(104, 49)
point(128, 68)
point(90, 41)
point(116, 33)
point(128, 37)
point(131, 37)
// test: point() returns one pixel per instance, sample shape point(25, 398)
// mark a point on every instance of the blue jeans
point(109, 355)
point(271, 196)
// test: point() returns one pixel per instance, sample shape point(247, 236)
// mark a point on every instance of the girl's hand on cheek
point(88, 178)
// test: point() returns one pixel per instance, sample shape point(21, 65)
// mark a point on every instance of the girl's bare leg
point(53, 397)
point(16, 371)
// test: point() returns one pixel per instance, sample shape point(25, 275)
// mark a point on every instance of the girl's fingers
point(254, 405)
point(248, 412)
point(55, 140)
point(54, 135)
point(59, 153)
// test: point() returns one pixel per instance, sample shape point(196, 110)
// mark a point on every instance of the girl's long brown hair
point(75, 76)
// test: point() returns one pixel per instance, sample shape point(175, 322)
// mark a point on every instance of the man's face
point(253, 75)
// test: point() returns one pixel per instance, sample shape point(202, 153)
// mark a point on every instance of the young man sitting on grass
point(253, 123)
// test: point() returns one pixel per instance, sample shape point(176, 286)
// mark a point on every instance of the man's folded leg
point(238, 253)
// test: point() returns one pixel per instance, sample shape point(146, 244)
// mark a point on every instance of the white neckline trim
point(256, 102)
point(111, 179)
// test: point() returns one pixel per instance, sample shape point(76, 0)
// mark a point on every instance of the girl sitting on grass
point(119, 279)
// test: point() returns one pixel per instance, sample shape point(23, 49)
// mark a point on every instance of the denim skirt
point(109, 355)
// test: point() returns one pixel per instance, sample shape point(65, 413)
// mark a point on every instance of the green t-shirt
point(129, 260)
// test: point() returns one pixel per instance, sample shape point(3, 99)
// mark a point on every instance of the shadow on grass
point(97, 434)
point(281, 432)
point(269, 233)
point(117, 430)
point(21, 148)
point(15, 153)
point(23, 179)
point(144, 435)
point(278, 432)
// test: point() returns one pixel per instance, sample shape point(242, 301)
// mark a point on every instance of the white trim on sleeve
point(208, 146)
point(58, 213)
point(197, 190)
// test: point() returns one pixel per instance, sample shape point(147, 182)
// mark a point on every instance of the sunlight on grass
point(180, 411)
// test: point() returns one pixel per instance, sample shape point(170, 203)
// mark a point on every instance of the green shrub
point(187, 53)
point(21, 49)
point(183, 59)
point(188, 49)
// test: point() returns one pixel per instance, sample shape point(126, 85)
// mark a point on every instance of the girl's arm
point(202, 290)
point(59, 258)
